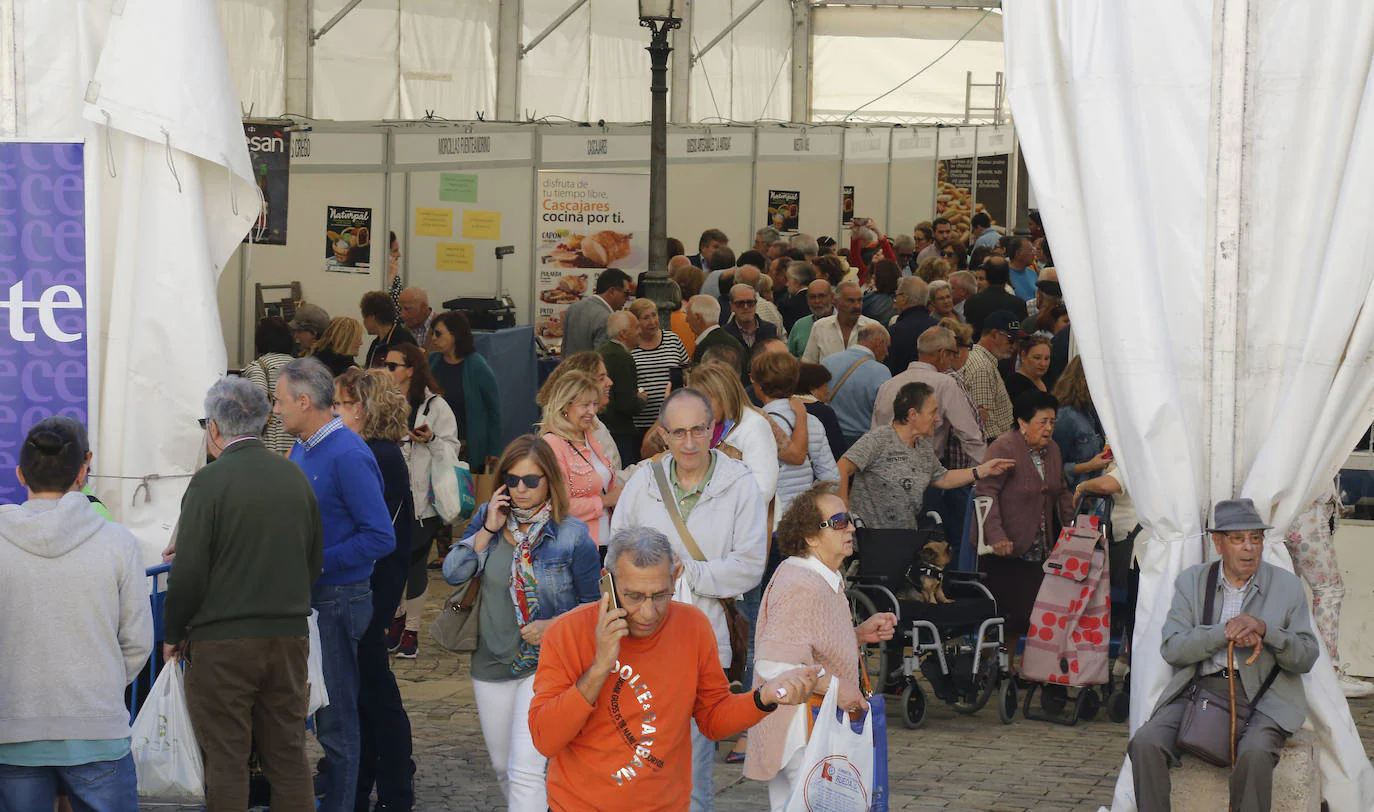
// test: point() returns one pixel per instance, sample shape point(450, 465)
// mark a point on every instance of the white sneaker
point(1353, 687)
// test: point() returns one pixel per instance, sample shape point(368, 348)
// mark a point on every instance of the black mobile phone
point(677, 376)
point(608, 588)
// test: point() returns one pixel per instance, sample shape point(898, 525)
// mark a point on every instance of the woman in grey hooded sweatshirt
point(63, 724)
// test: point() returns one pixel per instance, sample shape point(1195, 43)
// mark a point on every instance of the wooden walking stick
point(1231, 687)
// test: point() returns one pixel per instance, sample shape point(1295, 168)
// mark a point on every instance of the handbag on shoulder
point(456, 626)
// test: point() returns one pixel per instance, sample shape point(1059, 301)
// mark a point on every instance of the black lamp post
point(660, 17)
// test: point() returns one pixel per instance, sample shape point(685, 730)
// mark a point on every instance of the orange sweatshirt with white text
point(633, 750)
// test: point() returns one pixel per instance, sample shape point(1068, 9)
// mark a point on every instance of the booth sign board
point(711, 144)
point(337, 149)
point(454, 146)
point(913, 144)
point(867, 146)
point(43, 362)
point(594, 147)
point(800, 143)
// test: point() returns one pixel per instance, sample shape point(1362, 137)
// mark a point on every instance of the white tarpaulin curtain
point(169, 195)
point(1117, 114)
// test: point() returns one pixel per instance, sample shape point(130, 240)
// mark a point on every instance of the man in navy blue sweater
point(357, 532)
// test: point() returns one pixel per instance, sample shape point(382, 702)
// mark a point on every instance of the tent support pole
point(1228, 158)
point(553, 26)
point(333, 21)
point(725, 32)
point(299, 92)
point(508, 61)
point(680, 76)
point(802, 17)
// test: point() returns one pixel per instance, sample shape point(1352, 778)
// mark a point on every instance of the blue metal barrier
point(141, 684)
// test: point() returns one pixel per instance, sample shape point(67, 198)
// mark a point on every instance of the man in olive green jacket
point(626, 397)
point(249, 547)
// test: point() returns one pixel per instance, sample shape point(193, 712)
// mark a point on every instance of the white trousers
point(503, 708)
point(780, 786)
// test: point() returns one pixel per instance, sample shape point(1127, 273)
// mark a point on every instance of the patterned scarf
point(524, 590)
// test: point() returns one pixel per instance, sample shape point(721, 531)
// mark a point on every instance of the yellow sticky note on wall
point(481, 225)
point(454, 256)
point(434, 222)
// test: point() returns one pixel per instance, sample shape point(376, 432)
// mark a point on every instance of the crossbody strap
point(579, 453)
point(1208, 604)
point(836, 388)
point(670, 503)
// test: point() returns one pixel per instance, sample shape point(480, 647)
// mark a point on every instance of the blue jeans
point(703, 765)
point(101, 786)
point(345, 610)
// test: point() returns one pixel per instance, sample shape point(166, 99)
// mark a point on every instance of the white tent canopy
point(734, 60)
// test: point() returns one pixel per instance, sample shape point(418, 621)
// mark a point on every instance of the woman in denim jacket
point(536, 562)
point(1077, 431)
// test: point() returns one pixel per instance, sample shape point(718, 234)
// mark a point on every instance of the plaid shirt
point(318, 437)
point(987, 390)
point(955, 456)
point(1232, 599)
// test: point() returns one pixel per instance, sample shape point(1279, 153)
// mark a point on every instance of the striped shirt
point(1232, 599)
point(263, 373)
point(986, 388)
point(653, 368)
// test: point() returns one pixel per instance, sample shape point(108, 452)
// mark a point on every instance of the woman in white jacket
point(739, 424)
point(432, 422)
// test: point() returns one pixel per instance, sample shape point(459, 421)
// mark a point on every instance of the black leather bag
point(1206, 727)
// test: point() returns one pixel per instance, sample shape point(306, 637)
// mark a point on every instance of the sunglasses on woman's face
point(531, 482)
point(393, 366)
point(840, 521)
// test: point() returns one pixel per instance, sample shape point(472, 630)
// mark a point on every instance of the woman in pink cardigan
point(569, 413)
point(1030, 503)
point(804, 620)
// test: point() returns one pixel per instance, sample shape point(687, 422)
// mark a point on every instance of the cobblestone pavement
point(954, 763)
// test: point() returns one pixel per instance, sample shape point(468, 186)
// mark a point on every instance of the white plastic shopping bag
point(314, 667)
point(166, 754)
point(837, 768)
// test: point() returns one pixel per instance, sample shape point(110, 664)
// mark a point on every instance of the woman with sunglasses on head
point(593, 365)
point(369, 404)
point(469, 387)
point(805, 620)
point(536, 562)
point(570, 406)
point(431, 422)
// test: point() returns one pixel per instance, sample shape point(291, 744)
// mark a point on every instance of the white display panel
point(870, 182)
point(302, 259)
point(817, 182)
point(707, 195)
point(913, 195)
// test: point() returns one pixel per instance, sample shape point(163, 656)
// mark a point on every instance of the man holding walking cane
point(1237, 603)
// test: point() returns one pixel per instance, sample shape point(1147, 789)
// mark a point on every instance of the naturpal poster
point(269, 148)
point(587, 222)
point(784, 209)
point(847, 204)
point(348, 239)
point(43, 361)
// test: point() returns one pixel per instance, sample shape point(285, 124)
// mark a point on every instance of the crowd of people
point(717, 469)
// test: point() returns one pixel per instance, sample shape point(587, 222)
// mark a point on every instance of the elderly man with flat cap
point(1263, 610)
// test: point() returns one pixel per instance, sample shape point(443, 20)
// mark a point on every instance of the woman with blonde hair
point(570, 406)
point(592, 364)
point(535, 564)
point(1077, 430)
point(339, 344)
point(370, 404)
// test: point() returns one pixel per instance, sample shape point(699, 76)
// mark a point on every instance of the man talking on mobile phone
point(616, 689)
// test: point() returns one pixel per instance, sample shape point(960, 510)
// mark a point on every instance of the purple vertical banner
point(42, 294)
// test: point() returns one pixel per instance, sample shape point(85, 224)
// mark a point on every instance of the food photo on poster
point(587, 222)
point(348, 239)
point(784, 209)
point(954, 195)
point(847, 204)
point(269, 148)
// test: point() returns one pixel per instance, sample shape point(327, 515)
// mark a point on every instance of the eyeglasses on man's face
point(1245, 538)
point(744, 302)
point(698, 432)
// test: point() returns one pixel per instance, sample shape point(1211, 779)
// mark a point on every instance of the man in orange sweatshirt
point(616, 689)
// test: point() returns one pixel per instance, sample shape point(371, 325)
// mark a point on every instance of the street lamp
point(660, 17)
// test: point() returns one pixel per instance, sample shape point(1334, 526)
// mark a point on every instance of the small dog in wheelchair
point(925, 577)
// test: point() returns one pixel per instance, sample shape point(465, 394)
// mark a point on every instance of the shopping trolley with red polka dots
point(1070, 627)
